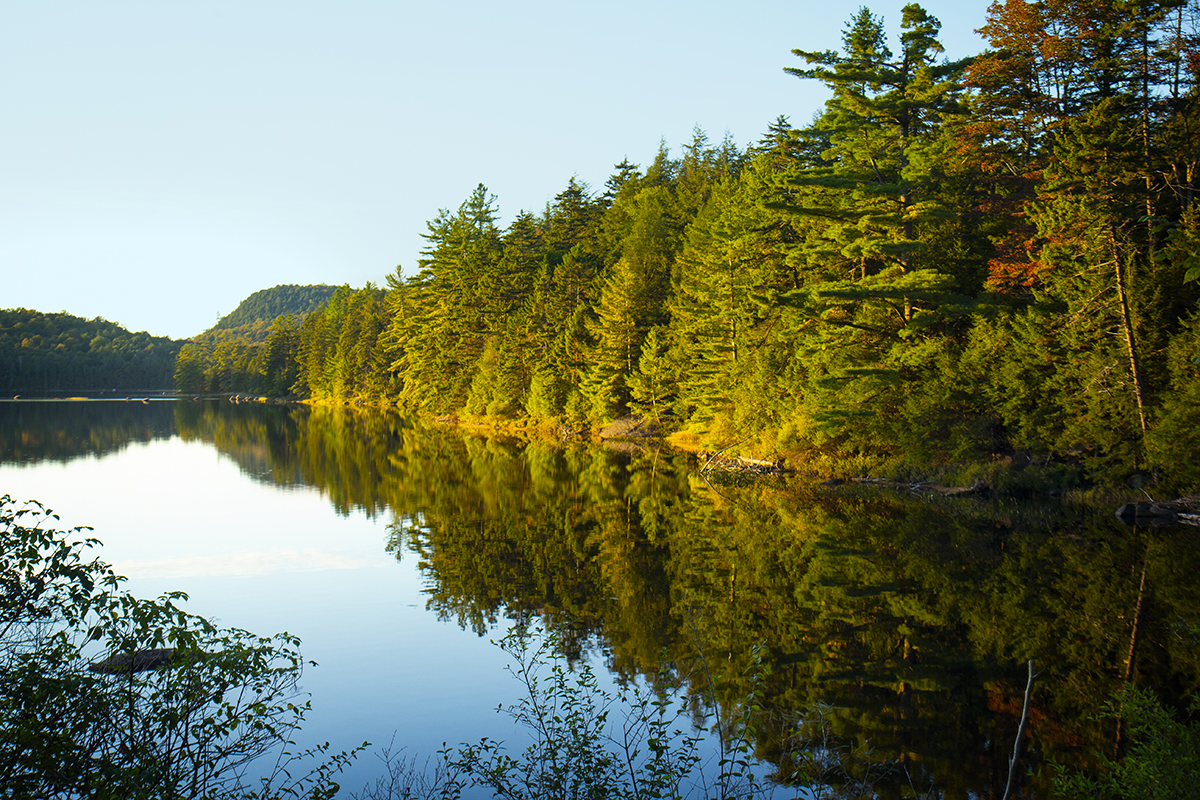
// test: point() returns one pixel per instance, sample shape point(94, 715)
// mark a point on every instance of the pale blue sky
point(162, 160)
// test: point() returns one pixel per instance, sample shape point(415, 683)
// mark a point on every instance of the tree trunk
point(1135, 367)
point(1016, 754)
point(1135, 634)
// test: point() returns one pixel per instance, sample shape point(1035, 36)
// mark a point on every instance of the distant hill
point(251, 348)
point(42, 352)
point(254, 315)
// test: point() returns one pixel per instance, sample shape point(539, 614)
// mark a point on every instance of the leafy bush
point(1162, 762)
point(179, 708)
point(631, 743)
point(579, 749)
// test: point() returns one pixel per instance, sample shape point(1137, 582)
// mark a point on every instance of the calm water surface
point(263, 553)
point(396, 551)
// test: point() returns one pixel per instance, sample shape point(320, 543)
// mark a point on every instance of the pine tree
point(879, 185)
point(189, 369)
point(318, 342)
point(513, 341)
point(632, 301)
point(735, 254)
point(1104, 256)
point(434, 350)
point(282, 350)
point(873, 313)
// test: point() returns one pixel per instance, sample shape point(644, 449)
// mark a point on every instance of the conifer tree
point(878, 184)
point(318, 342)
point(514, 339)
point(632, 301)
point(650, 225)
point(873, 311)
point(189, 369)
point(626, 174)
point(1102, 251)
point(735, 253)
point(354, 369)
point(435, 354)
point(282, 349)
point(572, 222)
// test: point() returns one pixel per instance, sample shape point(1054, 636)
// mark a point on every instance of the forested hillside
point(59, 352)
point(235, 356)
point(255, 314)
point(954, 261)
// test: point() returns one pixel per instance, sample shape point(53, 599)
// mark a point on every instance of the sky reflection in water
point(176, 515)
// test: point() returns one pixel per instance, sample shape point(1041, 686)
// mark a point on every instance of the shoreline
point(1014, 475)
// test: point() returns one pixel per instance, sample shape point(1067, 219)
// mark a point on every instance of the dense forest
point(59, 352)
point(255, 314)
point(41, 353)
point(234, 356)
point(954, 261)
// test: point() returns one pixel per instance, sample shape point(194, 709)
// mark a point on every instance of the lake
point(396, 550)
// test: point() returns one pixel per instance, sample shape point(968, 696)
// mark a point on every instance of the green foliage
point(1176, 438)
point(654, 388)
point(59, 352)
point(631, 743)
point(281, 359)
point(734, 255)
point(1162, 761)
point(256, 348)
point(338, 348)
point(212, 703)
point(254, 315)
point(877, 184)
point(576, 750)
point(190, 369)
point(433, 348)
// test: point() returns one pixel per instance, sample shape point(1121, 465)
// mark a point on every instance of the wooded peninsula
point(954, 262)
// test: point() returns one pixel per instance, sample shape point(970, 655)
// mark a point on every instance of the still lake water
point(396, 551)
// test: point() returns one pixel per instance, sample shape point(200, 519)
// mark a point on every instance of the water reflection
point(908, 620)
point(31, 432)
point(262, 439)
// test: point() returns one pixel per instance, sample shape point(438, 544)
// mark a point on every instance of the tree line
point(241, 352)
point(59, 352)
point(955, 260)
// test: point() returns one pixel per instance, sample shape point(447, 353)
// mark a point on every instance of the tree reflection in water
point(905, 622)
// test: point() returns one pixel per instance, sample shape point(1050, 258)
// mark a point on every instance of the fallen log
point(742, 464)
point(921, 486)
point(125, 663)
point(1158, 513)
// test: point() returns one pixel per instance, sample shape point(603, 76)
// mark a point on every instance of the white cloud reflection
point(247, 564)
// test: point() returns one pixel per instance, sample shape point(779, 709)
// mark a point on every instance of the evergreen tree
point(515, 340)
point(189, 369)
point(735, 253)
point(444, 335)
point(318, 341)
point(572, 222)
point(633, 300)
point(879, 183)
point(873, 314)
point(1102, 243)
point(281, 367)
